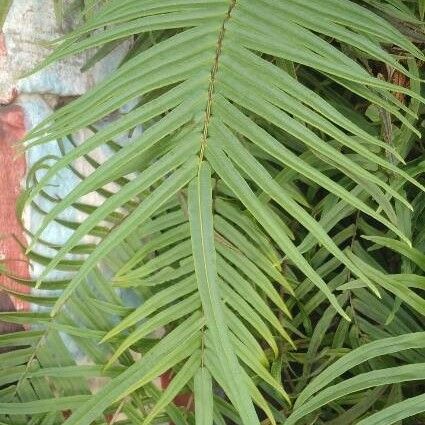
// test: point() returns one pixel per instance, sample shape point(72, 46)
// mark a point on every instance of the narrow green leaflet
point(229, 174)
point(136, 186)
point(42, 406)
point(360, 382)
point(154, 303)
point(396, 412)
point(413, 254)
point(164, 317)
point(201, 223)
point(203, 393)
point(182, 377)
point(143, 213)
point(358, 356)
point(175, 347)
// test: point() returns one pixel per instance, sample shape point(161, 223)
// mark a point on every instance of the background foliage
point(269, 220)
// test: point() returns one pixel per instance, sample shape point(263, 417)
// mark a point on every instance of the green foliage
point(4, 9)
point(270, 217)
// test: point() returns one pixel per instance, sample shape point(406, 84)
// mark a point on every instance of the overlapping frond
point(208, 222)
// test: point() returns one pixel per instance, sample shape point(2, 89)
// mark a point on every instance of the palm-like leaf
point(208, 222)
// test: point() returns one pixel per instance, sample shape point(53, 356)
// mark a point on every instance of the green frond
point(266, 221)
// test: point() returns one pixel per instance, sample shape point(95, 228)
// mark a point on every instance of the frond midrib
point(213, 76)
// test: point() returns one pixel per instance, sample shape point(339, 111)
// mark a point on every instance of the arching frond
point(233, 219)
